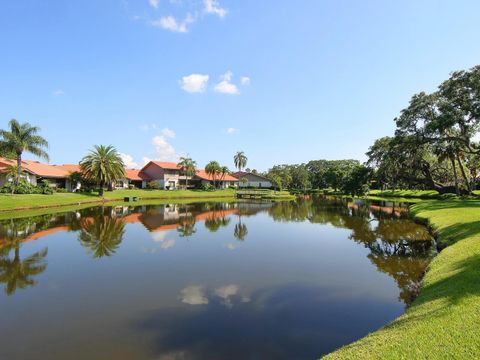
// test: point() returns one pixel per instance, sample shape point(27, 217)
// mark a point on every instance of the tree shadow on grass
point(463, 283)
point(447, 204)
point(460, 231)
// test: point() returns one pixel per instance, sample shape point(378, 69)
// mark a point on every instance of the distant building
point(34, 172)
point(253, 180)
point(169, 176)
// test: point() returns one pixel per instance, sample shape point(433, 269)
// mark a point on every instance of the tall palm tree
point(103, 165)
point(240, 160)
point(224, 171)
point(22, 138)
point(213, 169)
point(17, 273)
point(188, 167)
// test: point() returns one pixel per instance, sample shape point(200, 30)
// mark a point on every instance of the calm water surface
point(290, 280)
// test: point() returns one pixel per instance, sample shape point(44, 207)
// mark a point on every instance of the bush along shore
point(443, 322)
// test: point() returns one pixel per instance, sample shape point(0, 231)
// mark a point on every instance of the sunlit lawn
point(9, 202)
point(444, 321)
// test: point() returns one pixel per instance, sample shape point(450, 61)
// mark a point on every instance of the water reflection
point(398, 246)
point(307, 277)
point(17, 272)
point(101, 233)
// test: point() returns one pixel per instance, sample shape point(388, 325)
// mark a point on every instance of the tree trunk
point(464, 175)
point(19, 168)
point(100, 191)
point(452, 160)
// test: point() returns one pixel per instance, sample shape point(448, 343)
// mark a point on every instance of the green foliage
point(434, 146)
point(207, 187)
point(103, 165)
point(45, 188)
point(188, 167)
point(22, 187)
point(240, 160)
point(357, 183)
point(317, 174)
point(153, 185)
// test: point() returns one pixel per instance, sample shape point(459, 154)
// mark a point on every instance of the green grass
point(444, 321)
point(420, 194)
point(14, 202)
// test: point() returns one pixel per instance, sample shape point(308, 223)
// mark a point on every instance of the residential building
point(252, 180)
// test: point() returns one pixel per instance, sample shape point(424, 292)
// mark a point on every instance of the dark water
point(291, 280)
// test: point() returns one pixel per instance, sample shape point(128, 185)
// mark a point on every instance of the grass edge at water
point(443, 322)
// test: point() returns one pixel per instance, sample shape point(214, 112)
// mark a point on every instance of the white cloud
point(145, 160)
point(161, 237)
point(225, 86)
point(58, 92)
point(154, 3)
point(128, 161)
point(194, 295)
point(194, 83)
point(164, 151)
point(232, 131)
point(245, 80)
point(168, 244)
point(169, 133)
point(147, 127)
point(170, 23)
point(213, 7)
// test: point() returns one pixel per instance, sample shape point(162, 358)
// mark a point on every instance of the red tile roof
point(202, 174)
point(37, 168)
point(136, 175)
point(165, 165)
point(71, 168)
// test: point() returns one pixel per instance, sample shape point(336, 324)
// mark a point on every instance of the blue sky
point(285, 81)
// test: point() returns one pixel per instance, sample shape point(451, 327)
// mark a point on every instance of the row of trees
point(346, 175)
point(435, 145)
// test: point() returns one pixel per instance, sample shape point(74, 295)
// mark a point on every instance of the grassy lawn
point(11, 202)
point(444, 321)
point(420, 194)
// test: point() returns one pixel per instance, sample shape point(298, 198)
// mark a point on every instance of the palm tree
point(224, 171)
point(240, 160)
point(188, 167)
point(13, 173)
point(103, 165)
point(213, 169)
point(17, 274)
point(22, 138)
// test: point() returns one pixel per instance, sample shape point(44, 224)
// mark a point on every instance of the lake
point(238, 280)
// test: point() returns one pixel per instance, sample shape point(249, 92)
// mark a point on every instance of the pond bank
point(35, 201)
point(443, 322)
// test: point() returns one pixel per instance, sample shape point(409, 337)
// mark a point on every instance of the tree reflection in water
point(101, 233)
point(15, 272)
point(398, 247)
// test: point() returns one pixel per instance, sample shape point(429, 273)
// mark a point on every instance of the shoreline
point(447, 309)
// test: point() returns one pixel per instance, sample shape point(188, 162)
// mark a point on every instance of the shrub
point(153, 185)
point(23, 187)
point(45, 188)
point(208, 187)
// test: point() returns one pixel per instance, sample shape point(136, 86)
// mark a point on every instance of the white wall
point(259, 184)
